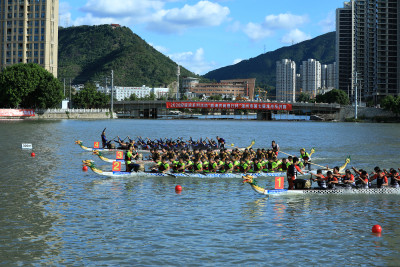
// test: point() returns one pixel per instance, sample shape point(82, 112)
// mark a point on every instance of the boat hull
point(348, 191)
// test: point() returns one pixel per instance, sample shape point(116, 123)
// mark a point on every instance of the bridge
point(264, 110)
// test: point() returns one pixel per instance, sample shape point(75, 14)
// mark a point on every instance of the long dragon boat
point(103, 158)
point(249, 179)
point(92, 166)
point(80, 143)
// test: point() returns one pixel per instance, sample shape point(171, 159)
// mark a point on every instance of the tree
point(215, 97)
point(334, 96)
point(89, 97)
point(29, 86)
point(391, 103)
point(303, 97)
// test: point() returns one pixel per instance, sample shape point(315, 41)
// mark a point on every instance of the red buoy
point(376, 229)
point(33, 154)
point(84, 168)
point(178, 188)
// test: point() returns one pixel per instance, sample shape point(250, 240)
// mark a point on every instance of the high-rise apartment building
point(29, 33)
point(310, 72)
point(373, 41)
point(286, 80)
point(345, 46)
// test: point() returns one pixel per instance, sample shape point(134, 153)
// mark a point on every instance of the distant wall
point(73, 114)
point(348, 112)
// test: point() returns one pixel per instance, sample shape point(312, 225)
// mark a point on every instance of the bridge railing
point(73, 110)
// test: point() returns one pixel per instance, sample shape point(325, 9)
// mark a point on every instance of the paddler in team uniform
point(292, 171)
point(381, 179)
point(362, 179)
point(394, 178)
point(164, 166)
point(129, 157)
point(221, 142)
point(348, 179)
point(320, 179)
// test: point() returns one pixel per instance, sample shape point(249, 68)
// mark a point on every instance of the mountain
point(263, 67)
point(89, 53)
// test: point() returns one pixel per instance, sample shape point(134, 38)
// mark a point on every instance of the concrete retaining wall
point(363, 112)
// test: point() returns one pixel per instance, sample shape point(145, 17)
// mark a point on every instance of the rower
point(180, 166)
point(381, 179)
point(332, 180)
point(129, 157)
point(394, 178)
point(320, 179)
point(292, 171)
point(348, 179)
point(362, 180)
point(164, 166)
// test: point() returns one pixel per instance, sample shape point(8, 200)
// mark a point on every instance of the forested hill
point(89, 53)
point(263, 67)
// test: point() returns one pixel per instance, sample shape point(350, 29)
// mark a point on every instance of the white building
point(311, 76)
point(121, 92)
point(286, 80)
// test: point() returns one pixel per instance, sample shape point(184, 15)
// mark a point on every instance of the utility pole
point(70, 98)
point(178, 72)
point(112, 93)
point(355, 116)
point(64, 88)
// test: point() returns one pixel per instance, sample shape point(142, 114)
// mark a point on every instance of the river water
point(53, 213)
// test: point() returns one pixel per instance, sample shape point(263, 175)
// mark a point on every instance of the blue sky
point(206, 35)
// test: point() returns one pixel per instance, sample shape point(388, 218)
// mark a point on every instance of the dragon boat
point(249, 179)
point(80, 143)
point(103, 158)
point(92, 166)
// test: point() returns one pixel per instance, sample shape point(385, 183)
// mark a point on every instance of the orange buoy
point(377, 229)
point(178, 188)
point(33, 154)
point(84, 168)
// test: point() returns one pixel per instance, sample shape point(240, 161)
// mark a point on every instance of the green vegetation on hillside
point(89, 53)
point(263, 67)
point(29, 86)
point(334, 96)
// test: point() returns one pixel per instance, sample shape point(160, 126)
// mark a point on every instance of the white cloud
point(202, 14)
point(329, 23)
point(154, 15)
point(284, 21)
point(64, 17)
point(236, 61)
point(121, 8)
point(256, 31)
point(295, 36)
point(193, 61)
point(272, 23)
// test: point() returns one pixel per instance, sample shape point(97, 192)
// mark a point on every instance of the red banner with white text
point(17, 112)
point(230, 105)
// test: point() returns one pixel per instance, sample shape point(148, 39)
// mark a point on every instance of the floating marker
point(33, 154)
point(178, 188)
point(376, 229)
point(84, 168)
point(26, 146)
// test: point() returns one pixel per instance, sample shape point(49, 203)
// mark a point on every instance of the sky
point(209, 34)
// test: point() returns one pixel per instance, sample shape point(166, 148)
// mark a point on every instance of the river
point(53, 213)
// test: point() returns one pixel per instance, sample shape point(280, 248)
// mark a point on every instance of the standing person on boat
point(104, 138)
point(306, 158)
point(275, 148)
point(292, 171)
point(221, 142)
